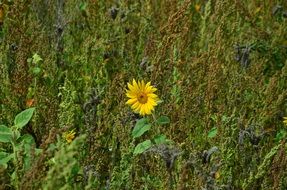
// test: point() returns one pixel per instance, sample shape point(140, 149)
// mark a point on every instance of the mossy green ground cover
point(220, 69)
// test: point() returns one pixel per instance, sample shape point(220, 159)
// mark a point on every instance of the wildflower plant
point(19, 143)
point(35, 70)
point(69, 136)
point(142, 99)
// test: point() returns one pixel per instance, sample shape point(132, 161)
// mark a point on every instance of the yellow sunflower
point(142, 98)
point(285, 120)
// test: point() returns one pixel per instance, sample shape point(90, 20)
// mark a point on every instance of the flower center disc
point(142, 98)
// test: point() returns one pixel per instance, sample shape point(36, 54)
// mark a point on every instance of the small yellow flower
point(285, 120)
point(142, 98)
point(69, 136)
point(217, 175)
point(197, 7)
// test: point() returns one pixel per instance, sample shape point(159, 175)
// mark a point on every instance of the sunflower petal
point(152, 102)
point(151, 95)
point(153, 89)
point(131, 95)
point(131, 101)
point(135, 85)
point(147, 85)
point(131, 87)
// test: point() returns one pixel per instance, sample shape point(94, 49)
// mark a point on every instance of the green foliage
point(212, 133)
point(263, 167)
point(23, 118)
point(19, 144)
point(143, 146)
point(140, 128)
point(280, 135)
point(5, 158)
point(160, 139)
point(64, 166)
point(5, 134)
point(34, 63)
point(27, 145)
point(67, 107)
point(163, 120)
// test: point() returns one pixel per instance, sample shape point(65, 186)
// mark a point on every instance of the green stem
point(13, 142)
point(154, 121)
point(154, 118)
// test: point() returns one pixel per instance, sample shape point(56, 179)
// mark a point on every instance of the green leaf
point(27, 141)
point(212, 133)
point(75, 169)
point(163, 120)
point(83, 6)
point(140, 131)
point(23, 118)
point(280, 135)
point(141, 127)
point(36, 70)
point(143, 146)
point(5, 158)
point(27, 162)
point(5, 134)
point(141, 121)
point(160, 139)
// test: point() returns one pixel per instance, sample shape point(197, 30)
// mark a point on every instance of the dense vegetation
point(220, 68)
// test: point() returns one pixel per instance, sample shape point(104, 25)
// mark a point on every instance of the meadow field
point(143, 94)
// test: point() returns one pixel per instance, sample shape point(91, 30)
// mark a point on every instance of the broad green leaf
point(3, 155)
point(23, 118)
point(27, 139)
point(141, 131)
point(280, 135)
point(36, 70)
point(160, 139)
point(5, 158)
point(141, 121)
point(163, 120)
point(143, 146)
point(212, 133)
point(5, 134)
point(141, 127)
